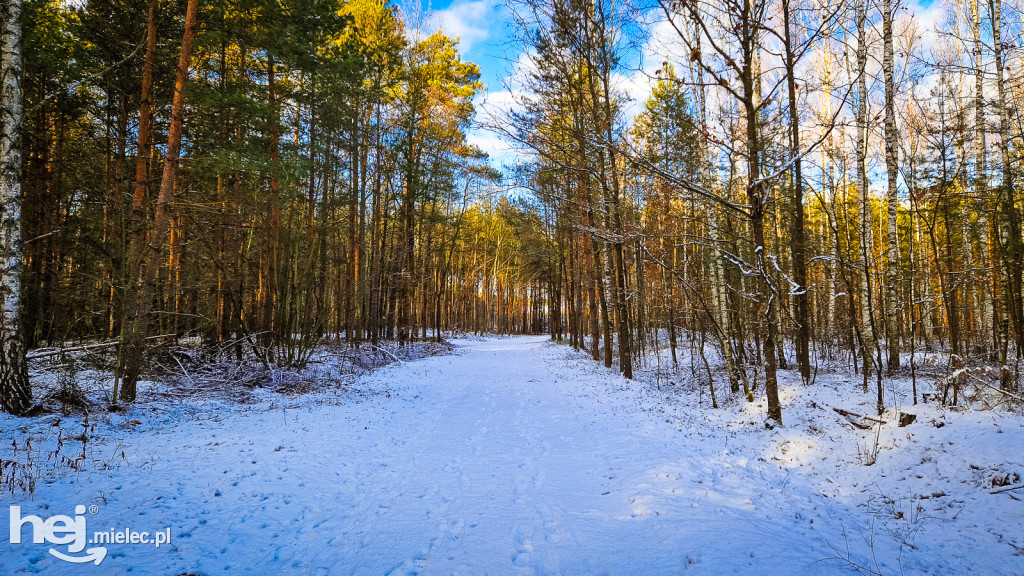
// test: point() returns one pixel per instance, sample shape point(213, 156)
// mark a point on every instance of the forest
point(512, 287)
point(803, 182)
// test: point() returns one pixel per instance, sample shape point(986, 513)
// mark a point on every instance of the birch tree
point(15, 389)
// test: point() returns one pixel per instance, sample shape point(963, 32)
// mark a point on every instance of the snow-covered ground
point(519, 456)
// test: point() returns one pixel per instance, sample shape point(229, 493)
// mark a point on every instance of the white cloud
point(469, 20)
point(636, 87)
point(663, 44)
point(492, 112)
point(500, 100)
point(495, 147)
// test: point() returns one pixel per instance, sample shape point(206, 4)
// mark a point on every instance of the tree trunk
point(15, 389)
point(1014, 250)
point(268, 325)
point(981, 173)
point(866, 329)
point(892, 304)
point(765, 296)
point(800, 313)
point(135, 340)
point(145, 140)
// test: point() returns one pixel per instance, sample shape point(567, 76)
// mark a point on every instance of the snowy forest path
point(517, 456)
point(509, 456)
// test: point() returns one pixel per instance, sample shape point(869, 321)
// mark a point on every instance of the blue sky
point(484, 38)
point(481, 26)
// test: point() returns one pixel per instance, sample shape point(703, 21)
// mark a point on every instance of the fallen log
point(848, 414)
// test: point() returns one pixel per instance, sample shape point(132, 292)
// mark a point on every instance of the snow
point(520, 456)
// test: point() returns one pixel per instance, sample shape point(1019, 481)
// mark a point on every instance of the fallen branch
point(396, 358)
point(47, 353)
point(1001, 391)
point(849, 414)
point(1006, 489)
point(182, 366)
